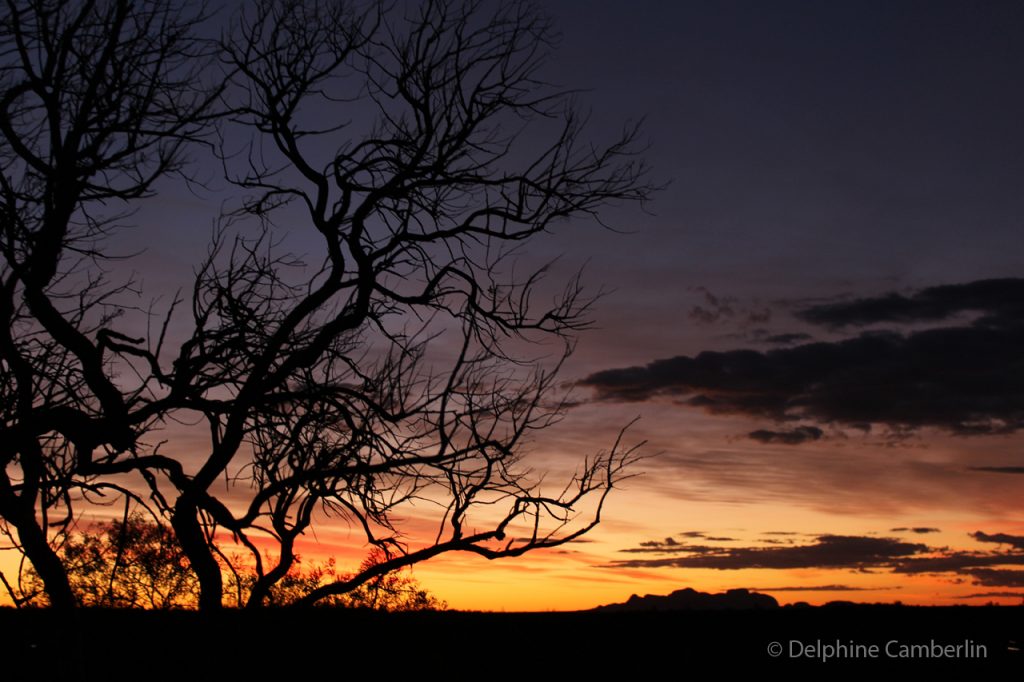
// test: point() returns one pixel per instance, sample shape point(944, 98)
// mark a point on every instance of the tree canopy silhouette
point(134, 562)
point(400, 371)
point(125, 563)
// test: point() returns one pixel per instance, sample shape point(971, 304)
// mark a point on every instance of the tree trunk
point(193, 543)
point(45, 561)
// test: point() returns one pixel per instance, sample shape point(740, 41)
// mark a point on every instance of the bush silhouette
point(137, 563)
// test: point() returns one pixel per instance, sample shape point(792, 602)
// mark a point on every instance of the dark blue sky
point(822, 146)
point(811, 148)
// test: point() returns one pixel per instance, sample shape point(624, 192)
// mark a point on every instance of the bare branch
point(405, 370)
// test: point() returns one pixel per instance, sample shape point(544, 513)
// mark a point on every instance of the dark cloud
point(719, 308)
point(919, 530)
point(671, 546)
point(983, 595)
point(714, 309)
point(1015, 541)
point(961, 563)
point(828, 551)
point(992, 577)
point(999, 470)
point(1000, 302)
point(785, 339)
point(967, 380)
point(859, 553)
point(796, 436)
point(667, 542)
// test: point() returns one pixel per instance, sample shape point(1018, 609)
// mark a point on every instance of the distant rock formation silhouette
point(690, 599)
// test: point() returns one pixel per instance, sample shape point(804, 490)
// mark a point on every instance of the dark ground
point(333, 644)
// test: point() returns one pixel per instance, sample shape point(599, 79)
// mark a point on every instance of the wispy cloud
point(849, 552)
point(828, 551)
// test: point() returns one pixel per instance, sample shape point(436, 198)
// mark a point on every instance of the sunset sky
point(818, 321)
point(825, 422)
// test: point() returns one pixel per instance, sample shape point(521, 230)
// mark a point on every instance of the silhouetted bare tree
point(419, 146)
point(97, 100)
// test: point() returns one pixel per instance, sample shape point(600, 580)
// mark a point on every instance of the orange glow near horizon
point(706, 512)
point(575, 578)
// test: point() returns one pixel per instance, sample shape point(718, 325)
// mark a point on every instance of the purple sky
point(827, 166)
